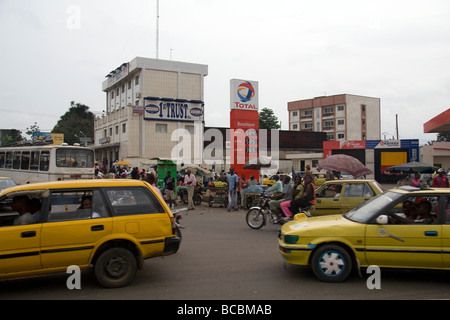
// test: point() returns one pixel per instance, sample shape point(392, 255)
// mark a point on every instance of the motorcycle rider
point(309, 195)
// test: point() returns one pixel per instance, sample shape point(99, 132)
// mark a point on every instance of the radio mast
point(157, 28)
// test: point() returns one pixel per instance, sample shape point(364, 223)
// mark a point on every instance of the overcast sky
point(53, 52)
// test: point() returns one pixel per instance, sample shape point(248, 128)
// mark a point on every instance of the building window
point(110, 131)
point(294, 126)
point(129, 85)
point(307, 126)
point(340, 107)
point(124, 127)
point(328, 111)
point(117, 129)
point(307, 113)
point(328, 125)
point(294, 113)
point(340, 122)
point(341, 136)
point(161, 128)
point(136, 81)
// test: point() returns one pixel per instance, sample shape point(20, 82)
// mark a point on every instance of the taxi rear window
point(131, 201)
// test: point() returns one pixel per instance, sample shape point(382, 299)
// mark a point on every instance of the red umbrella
point(345, 163)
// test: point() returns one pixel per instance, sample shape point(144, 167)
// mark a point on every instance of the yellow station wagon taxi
point(112, 225)
point(401, 228)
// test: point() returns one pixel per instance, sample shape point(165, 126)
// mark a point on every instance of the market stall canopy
point(412, 167)
point(123, 163)
point(345, 163)
point(258, 163)
point(195, 170)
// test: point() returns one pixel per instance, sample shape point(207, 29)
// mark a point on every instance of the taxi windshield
point(366, 210)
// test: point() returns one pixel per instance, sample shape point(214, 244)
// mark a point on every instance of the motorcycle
point(257, 216)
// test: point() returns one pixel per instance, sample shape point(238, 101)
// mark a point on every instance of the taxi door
point(328, 200)
point(405, 245)
point(19, 248)
point(446, 234)
point(72, 231)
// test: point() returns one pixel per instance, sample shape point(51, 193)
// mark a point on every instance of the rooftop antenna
point(157, 29)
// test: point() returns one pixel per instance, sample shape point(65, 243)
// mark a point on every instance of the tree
point(76, 123)
point(268, 120)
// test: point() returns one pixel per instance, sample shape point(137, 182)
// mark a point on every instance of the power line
point(31, 113)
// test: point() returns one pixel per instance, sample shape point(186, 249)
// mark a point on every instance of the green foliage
point(76, 123)
point(268, 120)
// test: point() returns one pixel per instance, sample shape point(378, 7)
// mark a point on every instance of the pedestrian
point(190, 181)
point(169, 186)
point(232, 180)
point(329, 175)
point(243, 184)
point(415, 182)
point(151, 179)
point(440, 181)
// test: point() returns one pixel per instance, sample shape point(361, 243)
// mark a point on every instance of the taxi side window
point(357, 190)
point(330, 191)
point(76, 205)
point(447, 210)
point(131, 201)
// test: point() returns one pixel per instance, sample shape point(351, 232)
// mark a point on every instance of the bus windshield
point(74, 158)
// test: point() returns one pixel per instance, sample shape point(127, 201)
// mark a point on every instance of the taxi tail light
point(172, 221)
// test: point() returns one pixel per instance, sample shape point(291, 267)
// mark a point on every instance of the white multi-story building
point(343, 117)
point(149, 104)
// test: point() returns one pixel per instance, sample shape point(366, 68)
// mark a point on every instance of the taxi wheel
point(331, 263)
point(115, 268)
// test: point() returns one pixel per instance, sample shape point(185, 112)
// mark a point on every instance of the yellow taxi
point(401, 228)
point(319, 178)
point(112, 225)
point(270, 181)
point(339, 196)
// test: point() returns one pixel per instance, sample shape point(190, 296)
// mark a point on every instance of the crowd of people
point(287, 197)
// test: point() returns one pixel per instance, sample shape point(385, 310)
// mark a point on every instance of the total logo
point(245, 91)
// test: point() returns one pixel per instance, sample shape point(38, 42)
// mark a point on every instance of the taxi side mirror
point(383, 219)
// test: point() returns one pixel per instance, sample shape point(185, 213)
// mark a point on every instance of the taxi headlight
point(290, 239)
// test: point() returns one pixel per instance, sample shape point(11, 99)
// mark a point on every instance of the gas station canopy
point(440, 123)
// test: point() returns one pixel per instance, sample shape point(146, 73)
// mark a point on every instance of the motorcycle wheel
point(255, 218)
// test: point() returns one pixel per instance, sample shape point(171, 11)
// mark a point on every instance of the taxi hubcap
point(331, 263)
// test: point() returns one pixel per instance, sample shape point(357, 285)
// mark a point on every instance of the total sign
point(244, 95)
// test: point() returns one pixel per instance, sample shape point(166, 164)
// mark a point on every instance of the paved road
point(222, 259)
